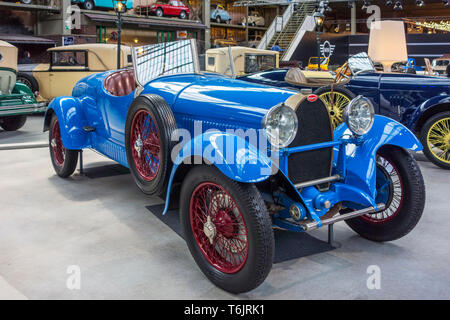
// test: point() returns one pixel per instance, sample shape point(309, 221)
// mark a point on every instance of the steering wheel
point(343, 73)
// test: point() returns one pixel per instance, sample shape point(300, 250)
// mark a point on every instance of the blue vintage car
point(248, 157)
point(91, 4)
point(219, 14)
point(421, 103)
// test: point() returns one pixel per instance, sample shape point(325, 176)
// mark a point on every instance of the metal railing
point(272, 30)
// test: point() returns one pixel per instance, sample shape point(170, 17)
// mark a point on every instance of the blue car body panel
point(223, 14)
point(104, 3)
point(399, 96)
point(361, 156)
point(218, 104)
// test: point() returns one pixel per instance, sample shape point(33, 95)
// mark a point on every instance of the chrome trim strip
point(314, 225)
point(314, 182)
point(22, 109)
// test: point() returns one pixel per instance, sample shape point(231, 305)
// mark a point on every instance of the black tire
point(13, 123)
point(218, 19)
point(26, 1)
point(165, 124)
point(424, 140)
point(64, 161)
point(89, 5)
point(404, 214)
point(327, 95)
point(260, 240)
point(29, 81)
point(159, 12)
point(183, 15)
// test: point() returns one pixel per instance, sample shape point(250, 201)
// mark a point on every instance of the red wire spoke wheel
point(227, 229)
point(59, 152)
point(145, 145)
point(218, 227)
point(401, 188)
point(64, 160)
point(390, 192)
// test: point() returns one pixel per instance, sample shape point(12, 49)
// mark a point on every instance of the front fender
point(71, 121)
point(360, 158)
point(232, 155)
point(443, 99)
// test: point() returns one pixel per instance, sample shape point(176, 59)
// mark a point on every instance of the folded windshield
point(360, 62)
point(155, 60)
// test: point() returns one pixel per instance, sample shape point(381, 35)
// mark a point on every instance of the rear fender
point(360, 158)
point(232, 155)
point(71, 121)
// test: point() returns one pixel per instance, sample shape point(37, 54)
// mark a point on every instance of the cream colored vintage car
point(67, 65)
point(245, 60)
point(254, 19)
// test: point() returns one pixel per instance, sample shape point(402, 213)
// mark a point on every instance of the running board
point(314, 225)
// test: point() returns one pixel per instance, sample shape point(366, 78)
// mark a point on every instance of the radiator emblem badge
point(312, 98)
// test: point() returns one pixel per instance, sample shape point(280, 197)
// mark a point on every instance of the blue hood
point(217, 98)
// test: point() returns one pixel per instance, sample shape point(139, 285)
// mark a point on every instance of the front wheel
point(401, 188)
point(159, 12)
point(89, 5)
point(336, 99)
point(227, 229)
point(13, 123)
point(183, 15)
point(64, 161)
point(218, 19)
point(435, 138)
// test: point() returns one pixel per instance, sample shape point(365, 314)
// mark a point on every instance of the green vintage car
point(16, 99)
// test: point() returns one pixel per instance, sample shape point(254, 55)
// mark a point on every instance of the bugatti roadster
point(249, 157)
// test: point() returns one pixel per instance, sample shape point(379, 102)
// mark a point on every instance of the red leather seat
point(120, 83)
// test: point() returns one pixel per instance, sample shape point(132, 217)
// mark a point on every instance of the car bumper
point(23, 109)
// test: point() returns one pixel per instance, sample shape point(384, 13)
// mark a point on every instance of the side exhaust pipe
point(314, 225)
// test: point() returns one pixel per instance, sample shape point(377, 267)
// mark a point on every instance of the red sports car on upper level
point(167, 8)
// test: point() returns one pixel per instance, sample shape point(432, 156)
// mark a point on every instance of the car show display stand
point(81, 163)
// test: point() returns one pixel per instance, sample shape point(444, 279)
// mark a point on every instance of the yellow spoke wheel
point(438, 139)
point(336, 103)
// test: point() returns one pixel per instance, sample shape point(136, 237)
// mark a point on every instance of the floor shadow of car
point(103, 171)
point(288, 245)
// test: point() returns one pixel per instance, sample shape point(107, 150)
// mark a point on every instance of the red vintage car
point(169, 8)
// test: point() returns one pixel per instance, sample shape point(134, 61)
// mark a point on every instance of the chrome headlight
point(359, 115)
point(280, 124)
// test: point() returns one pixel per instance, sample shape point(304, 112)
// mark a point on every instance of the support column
point(353, 18)
point(65, 4)
point(206, 18)
point(246, 25)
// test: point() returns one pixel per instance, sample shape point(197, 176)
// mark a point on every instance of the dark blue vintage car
point(248, 157)
point(421, 103)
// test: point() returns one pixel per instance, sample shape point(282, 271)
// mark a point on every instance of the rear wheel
point(64, 161)
point(218, 19)
point(435, 138)
point(401, 188)
point(183, 15)
point(13, 123)
point(336, 98)
point(227, 229)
